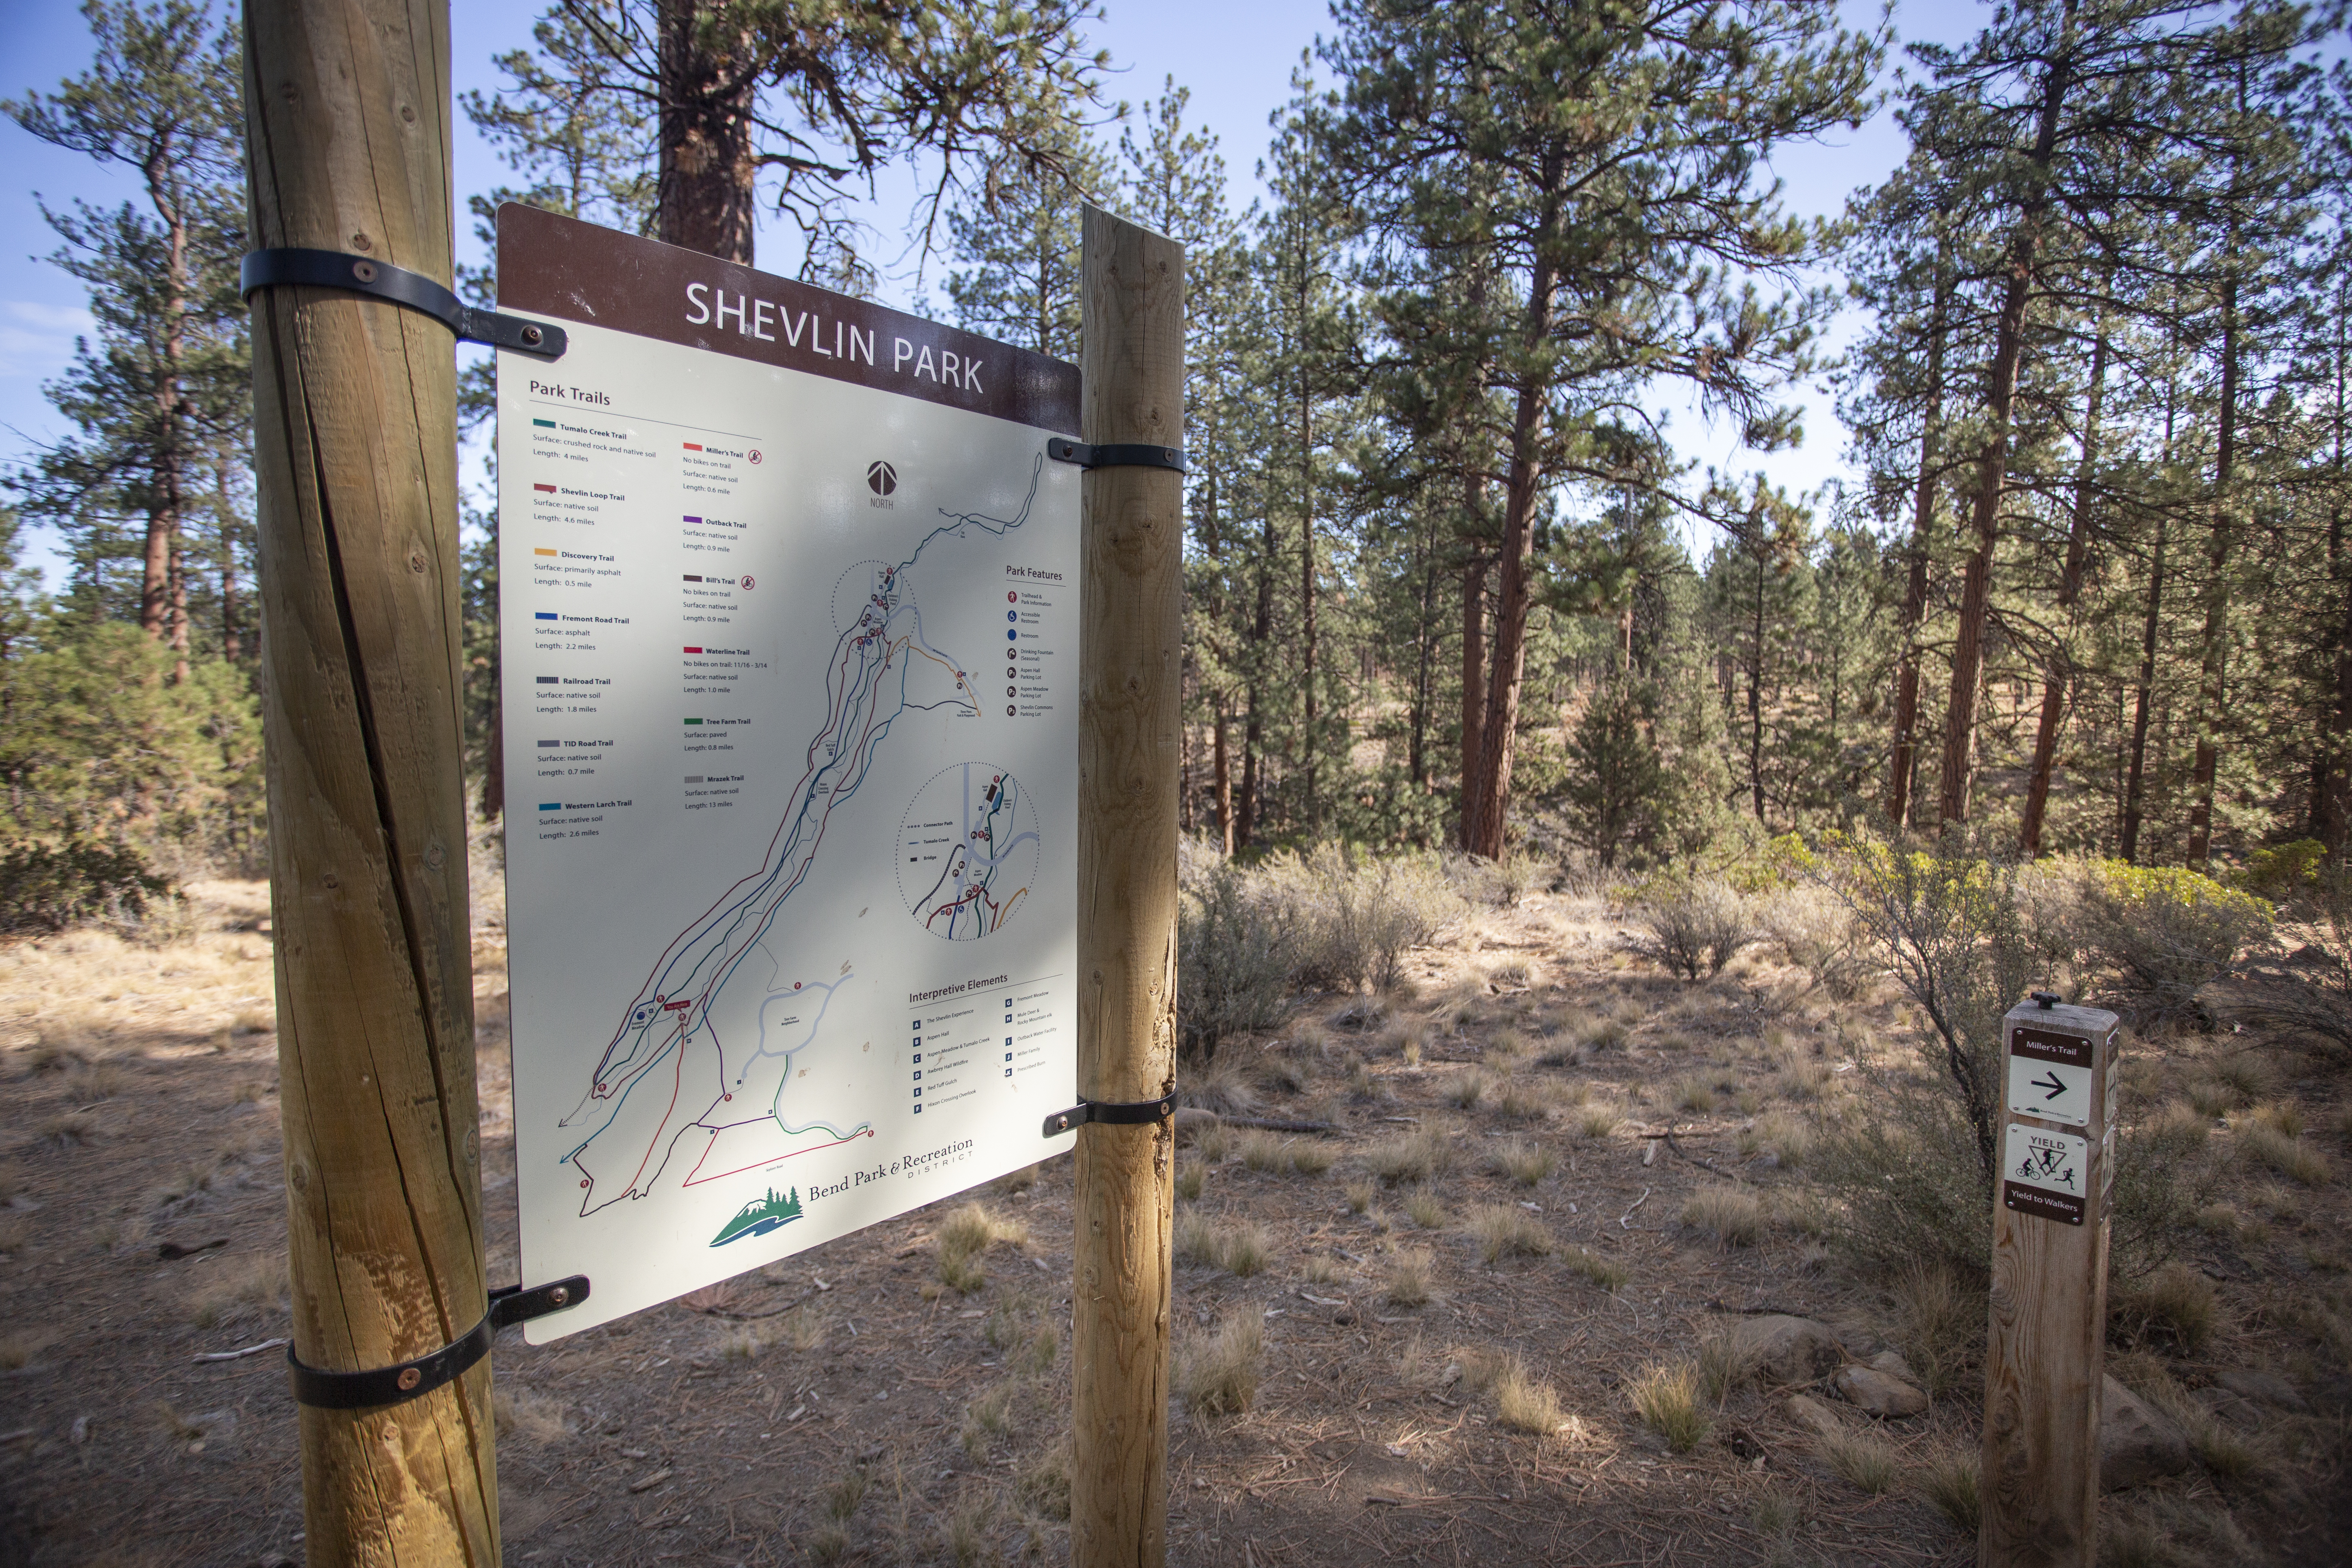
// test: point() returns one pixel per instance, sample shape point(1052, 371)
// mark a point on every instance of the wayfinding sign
point(790, 608)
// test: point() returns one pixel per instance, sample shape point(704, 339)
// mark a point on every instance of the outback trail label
point(2044, 1174)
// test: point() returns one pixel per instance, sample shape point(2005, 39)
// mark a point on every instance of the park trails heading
point(574, 271)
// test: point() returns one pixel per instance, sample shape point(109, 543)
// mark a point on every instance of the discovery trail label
point(790, 607)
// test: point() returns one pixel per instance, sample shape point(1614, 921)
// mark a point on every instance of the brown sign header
point(574, 271)
point(2041, 1045)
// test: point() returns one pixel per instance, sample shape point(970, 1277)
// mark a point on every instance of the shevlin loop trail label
point(2046, 1174)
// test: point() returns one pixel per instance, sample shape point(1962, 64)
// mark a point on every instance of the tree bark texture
point(355, 458)
point(1129, 723)
point(2058, 669)
point(707, 197)
point(2220, 541)
point(1473, 695)
point(1992, 466)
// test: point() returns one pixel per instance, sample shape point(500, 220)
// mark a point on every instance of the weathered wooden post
point(348, 132)
point(2046, 1354)
point(1131, 618)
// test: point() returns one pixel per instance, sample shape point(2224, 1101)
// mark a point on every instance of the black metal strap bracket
point(2045, 1000)
point(408, 1380)
point(1118, 1113)
point(382, 280)
point(1115, 455)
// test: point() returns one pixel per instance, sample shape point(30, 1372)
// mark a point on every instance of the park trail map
point(789, 609)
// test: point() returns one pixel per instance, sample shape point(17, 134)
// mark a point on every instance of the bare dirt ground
point(1447, 1361)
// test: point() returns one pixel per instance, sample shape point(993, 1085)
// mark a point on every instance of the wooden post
point(348, 133)
point(1132, 630)
point(2045, 1358)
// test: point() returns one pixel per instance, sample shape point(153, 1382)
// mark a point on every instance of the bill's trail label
point(2046, 1174)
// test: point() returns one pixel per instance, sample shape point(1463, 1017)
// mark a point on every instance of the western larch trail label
point(762, 548)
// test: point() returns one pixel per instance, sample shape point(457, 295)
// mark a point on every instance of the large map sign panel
point(788, 597)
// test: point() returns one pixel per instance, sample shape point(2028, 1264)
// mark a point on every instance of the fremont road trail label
point(789, 600)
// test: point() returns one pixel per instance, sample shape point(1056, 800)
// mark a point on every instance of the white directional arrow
point(2049, 1090)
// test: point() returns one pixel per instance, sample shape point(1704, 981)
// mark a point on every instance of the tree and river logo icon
point(760, 1216)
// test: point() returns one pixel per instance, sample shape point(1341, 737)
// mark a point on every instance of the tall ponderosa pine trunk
point(2220, 543)
point(1473, 695)
point(159, 589)
point(1992, 467)
point(707, 199)
point(1488, 807)
point(2058, 671)
point(1902, 762)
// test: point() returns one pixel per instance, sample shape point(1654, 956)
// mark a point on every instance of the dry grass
point(1466, 1088)
point(1523, 1403)
point(526, 1413)
point(1409, 1272)
point(1422, 1207)
point(251, 1284)
point(1261, 1151)
point(1596, 1120)
point(1197, 1240)
point(2290, 1156)
point(1219, 1372)
point(1189, 1179)
point(1949, 1480)
point(1506, 1230)
point(2176, 1302)
point(1249, 1249)
point(1733, 1216)
point(1310, 1159)
point(1666, 1398)
point(1694, 1095)
point(1938, 1323)
point(1523, 1160)
point(1421, 1155)
point(1864, 1460)
point(964, 1236)
point(1604, 1273)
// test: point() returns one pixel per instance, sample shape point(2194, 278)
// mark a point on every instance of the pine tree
point(167, 379)
point(1611, 153)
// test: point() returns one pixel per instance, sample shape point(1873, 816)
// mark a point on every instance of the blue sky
point(1236, 56)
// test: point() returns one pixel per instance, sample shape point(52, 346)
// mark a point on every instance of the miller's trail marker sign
point(789, 589)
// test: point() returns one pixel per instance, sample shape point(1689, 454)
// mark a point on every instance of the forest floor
point(1448, 1363)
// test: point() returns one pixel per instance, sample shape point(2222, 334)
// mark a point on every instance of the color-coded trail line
point(672, 1009)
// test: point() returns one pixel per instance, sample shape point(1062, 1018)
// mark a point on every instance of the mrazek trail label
point(751, 692)
point(2046, 1174)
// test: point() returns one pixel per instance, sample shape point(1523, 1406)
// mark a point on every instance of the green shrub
point(1359, 914)
point(1238, 943)
point(2165, 933)
point(1694, 925)
point(48, 888)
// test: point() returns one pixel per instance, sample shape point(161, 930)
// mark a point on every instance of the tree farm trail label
point(789, 600)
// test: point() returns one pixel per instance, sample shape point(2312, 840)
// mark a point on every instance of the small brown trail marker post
point(2046, 1355)
point(348, 133)
point(1131, 626)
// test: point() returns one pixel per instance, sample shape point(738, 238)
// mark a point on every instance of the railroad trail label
point(790, 611)
point(2046, 1174)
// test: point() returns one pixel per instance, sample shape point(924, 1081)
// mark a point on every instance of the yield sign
point(2051, 1090)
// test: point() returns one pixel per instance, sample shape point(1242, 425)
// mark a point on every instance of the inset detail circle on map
point(968, 851)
